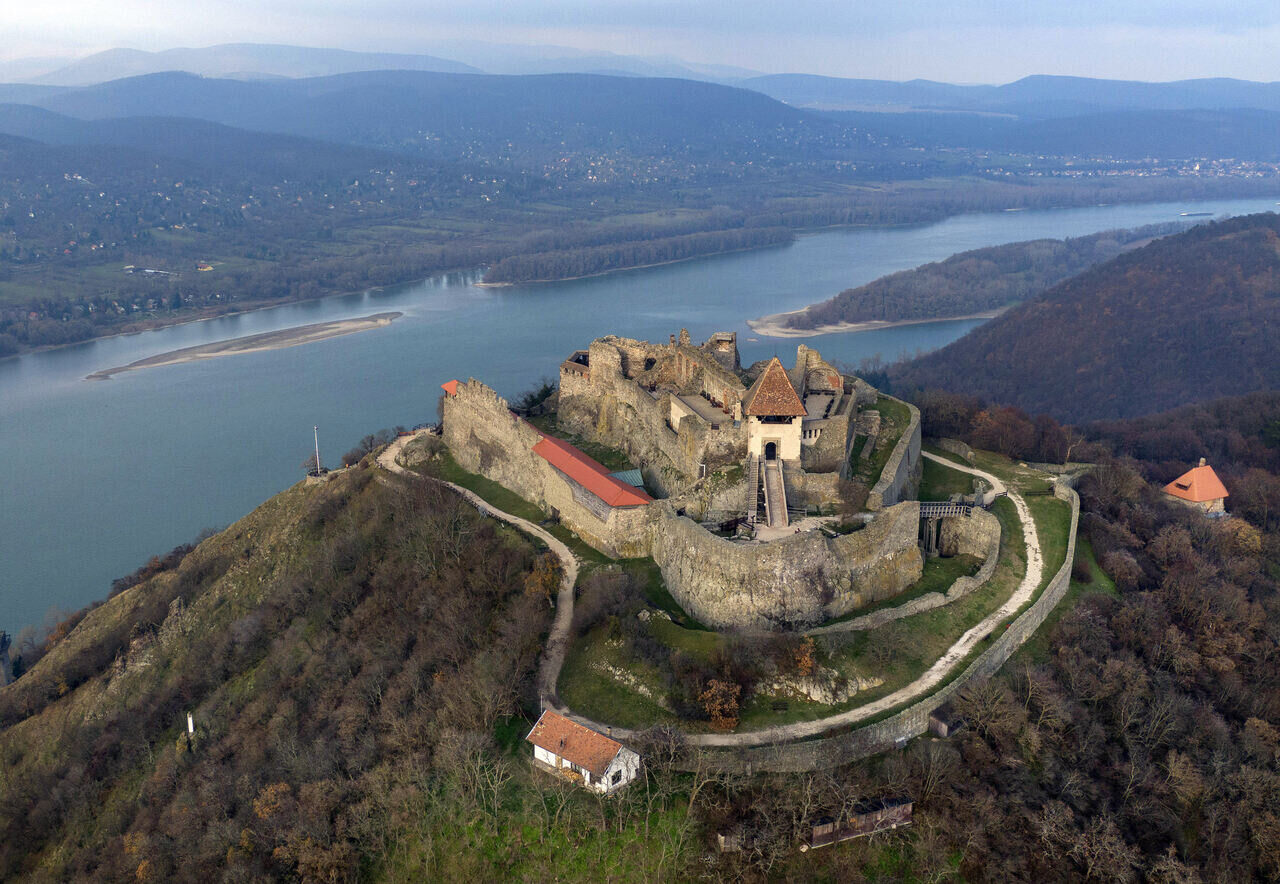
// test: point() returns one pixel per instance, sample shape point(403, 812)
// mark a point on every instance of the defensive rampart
point(796, 581)
point(486, 438)
point(901, 475)
point(913, 721)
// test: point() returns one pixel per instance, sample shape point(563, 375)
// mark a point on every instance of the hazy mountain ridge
point(1187, 318)
point(240, 59)
point(1037, 96)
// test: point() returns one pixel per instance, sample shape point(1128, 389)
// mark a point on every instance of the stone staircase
point(775, 495)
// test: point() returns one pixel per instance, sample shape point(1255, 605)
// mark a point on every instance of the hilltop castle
point(745, 470)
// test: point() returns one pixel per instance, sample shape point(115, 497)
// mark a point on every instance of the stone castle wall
point(795, 581)
point(603, 404)
point(486, 438)
point(901, 476)
point(913, 721)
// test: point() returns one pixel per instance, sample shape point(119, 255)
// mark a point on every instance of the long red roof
point(588, 473)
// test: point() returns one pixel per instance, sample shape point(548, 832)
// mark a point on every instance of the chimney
point(609, 731)
point(1202, 461)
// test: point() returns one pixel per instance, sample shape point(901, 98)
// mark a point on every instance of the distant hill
point(1242, 133)
point(974, 281)
point(435, 112)
point(205, 145)
point(244, 60)
point(1037, 96)
point(1187, 318)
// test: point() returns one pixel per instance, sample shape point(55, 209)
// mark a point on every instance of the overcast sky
point(954, 40)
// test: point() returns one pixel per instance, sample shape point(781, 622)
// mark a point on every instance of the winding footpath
point(558, 640)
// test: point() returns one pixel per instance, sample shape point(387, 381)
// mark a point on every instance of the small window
point(617, 777)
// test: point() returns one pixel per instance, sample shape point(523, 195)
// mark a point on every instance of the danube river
point(96, 476)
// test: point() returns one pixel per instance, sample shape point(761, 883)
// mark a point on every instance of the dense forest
point(1187, 318)
point(975, 281)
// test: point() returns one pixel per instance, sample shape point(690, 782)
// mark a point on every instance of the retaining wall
point(914, 720)
point(901, 475)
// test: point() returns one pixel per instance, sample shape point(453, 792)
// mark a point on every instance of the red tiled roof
point(450, 388)
point(772, 395)
point(589, 474)
point(581, 745)
point(1197, 485)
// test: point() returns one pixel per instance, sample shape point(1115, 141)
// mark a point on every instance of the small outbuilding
point(1200, 488)
point(598, 762)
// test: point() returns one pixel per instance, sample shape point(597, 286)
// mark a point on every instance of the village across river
point(97, 477)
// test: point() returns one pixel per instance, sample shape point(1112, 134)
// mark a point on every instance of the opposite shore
point(775, 324)
point(273, 340)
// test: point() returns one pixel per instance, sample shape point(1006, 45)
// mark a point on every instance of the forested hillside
point(1187, 318)
point(973, 281)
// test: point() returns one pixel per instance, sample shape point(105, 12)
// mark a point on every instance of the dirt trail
point(558, 640)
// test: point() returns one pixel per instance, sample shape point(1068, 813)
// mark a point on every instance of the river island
point(274, 340)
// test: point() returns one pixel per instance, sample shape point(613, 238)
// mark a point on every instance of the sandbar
point(275, 340)
point(774, 325)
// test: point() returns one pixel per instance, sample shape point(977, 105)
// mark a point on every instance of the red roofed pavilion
point(450, 388)
point(1199, 487)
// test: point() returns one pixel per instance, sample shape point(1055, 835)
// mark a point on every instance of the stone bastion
point(794, 582)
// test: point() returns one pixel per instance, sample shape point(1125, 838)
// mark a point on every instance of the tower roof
point(1198, 485)
point(772, 395)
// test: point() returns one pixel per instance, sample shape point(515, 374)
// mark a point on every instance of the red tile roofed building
point(774, 413)
point(588, 475)
point(566, 746)
point(450, 388)
point(1201, 488)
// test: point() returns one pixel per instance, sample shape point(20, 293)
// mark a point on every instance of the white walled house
point(603, 764)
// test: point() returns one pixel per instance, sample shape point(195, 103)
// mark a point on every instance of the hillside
point(971, 282)
point(1187, 318)
point(348, 653)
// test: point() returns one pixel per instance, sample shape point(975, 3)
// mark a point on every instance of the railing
point(941, 510)
point(753, 489)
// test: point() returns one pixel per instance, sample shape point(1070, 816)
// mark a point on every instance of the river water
point(96, 476)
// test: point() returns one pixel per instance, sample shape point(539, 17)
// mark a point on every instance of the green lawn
point(894, 418)
point(940, 482)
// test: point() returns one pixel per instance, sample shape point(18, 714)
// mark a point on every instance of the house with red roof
point(1200, 487)
point(596, 761)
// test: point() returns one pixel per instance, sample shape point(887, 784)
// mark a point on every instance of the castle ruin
point(745, 470)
